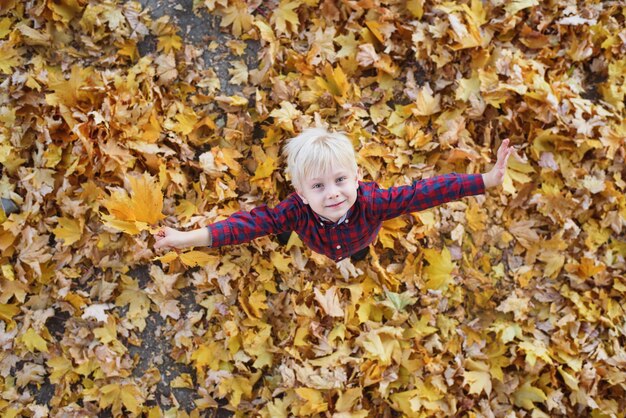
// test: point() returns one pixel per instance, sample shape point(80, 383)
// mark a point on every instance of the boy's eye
point(340, 179)
point(317, 185)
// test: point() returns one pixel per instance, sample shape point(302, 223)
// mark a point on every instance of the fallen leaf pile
point(505, 304)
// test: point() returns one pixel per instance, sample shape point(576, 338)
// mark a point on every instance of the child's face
point(331, 194)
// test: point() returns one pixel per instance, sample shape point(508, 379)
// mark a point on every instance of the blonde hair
point(316, 151)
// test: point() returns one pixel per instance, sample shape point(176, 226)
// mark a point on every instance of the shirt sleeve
point(245, 226)
point(424, 194)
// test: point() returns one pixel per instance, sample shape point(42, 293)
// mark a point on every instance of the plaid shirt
point(358, 229)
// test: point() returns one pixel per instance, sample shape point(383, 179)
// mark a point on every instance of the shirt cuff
point(210, 236)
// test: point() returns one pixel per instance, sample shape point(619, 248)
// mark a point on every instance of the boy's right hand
point(168, 238)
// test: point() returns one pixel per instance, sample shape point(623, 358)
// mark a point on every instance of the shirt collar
point(327, 222)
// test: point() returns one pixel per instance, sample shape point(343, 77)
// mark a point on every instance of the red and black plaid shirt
point(338, 240)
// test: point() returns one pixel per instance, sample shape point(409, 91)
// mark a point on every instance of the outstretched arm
point(172, 238)
point(238, 228)
point(495, 176)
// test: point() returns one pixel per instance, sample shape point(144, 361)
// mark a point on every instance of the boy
point(332, 211)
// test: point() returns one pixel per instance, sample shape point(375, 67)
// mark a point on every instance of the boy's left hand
point(495, 177)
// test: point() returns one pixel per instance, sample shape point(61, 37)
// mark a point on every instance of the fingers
point(504, 147)
point(162, 243)
point(161, 240)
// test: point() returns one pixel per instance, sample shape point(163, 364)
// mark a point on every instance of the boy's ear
point(302, 197)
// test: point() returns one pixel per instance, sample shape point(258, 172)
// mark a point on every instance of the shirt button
point(346, 221)
point(338, 247)
point(321, 224)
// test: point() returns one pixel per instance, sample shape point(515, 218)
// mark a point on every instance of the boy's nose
point(333, 191)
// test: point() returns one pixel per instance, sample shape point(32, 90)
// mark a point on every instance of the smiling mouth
point(334, 206)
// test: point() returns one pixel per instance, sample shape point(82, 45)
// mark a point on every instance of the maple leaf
point(517, 170)
point(285, 115)
point(314, 402)
point(329, 301)
point(440, 267)
point(10, 57)
point(133, 214)
point(382, 343)
point(479, 381)
point(426, 103)
point(168, 43)
point(265, 169)
point(196, 258)
point(284, 18)
point(69, 230)
point(348, 398)
point(62, 368)
point(187, 120)
point(527, 394)
point(398, 301)
point(515, 6)
point(97, 311)
point(348, 43)
point(115, 396)
point(239, 72)
point(5, 27)
point(166, 68)
point(33, 341)
point(367, 55)
point(335, 82)
point(237, 15)
point(8, 311)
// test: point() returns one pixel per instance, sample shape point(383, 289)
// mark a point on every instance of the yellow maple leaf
point(516, 170)
point(265, 169)
point(211, 355)
point(416, 7)
point(61, 367)
point(7, 312)
point(237, 387)
point(65, 10)
point(439, 268)
point(33, 341)
point(183, 381)
point(476, 218)
point(132, 214)
point(169, 42)
point(381, 344)
point(348, 43)
point(348, 398)
point(187, 120)
point(468, 87)
point(527, 394)
point(335, 82)
point(128, 48)
point(195, 258)
point(239, 72)
point(5, 27)
point(426, 103)
point(314, 401)
point(515, 6)
point(237, 15)
point(285, 115)
point(115, 395)
point(479, 381)
point(69, 230)
point(284, 18)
